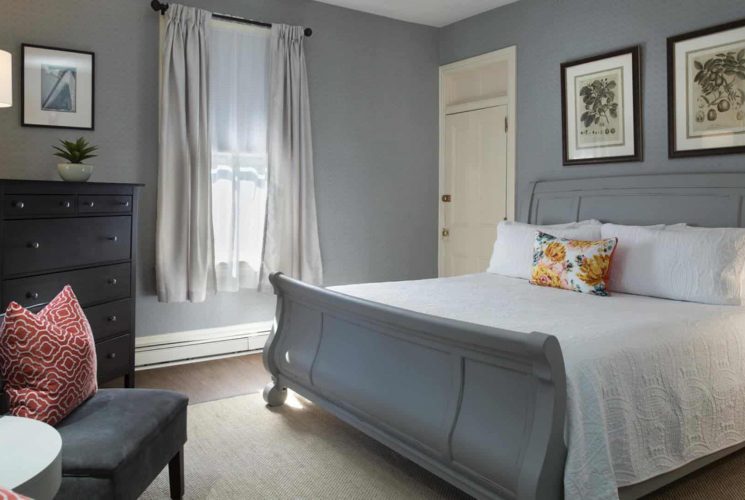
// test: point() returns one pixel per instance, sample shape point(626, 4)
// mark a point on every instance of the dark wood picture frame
point(635, 52)
point(673, 152)
point(92, 55)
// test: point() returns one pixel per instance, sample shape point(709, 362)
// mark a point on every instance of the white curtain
point(291, 238)
point(238, 106)
point(184, 221)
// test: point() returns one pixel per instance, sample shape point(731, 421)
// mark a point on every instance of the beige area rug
point(240, 449)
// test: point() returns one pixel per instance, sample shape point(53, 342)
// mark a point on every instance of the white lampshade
point(6, 79)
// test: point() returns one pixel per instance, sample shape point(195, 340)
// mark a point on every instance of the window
point(239, 65)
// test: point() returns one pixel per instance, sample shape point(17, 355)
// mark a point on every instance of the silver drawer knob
point(19, 204)
point(124, 203)
point(113, 238)
point(66, 204)
point(32, 295)
point(111, 355)
point(112, 318)
point(113, 281)
point(89, 204)
point(34, 244)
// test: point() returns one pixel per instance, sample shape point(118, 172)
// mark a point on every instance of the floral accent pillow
point(576, 265)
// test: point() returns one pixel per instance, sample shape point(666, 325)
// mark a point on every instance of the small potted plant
point(75, 153)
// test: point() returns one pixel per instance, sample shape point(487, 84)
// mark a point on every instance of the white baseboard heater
point(200, 345)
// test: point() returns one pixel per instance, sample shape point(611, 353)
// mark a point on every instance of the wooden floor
point(225, 378)
point(206, 380)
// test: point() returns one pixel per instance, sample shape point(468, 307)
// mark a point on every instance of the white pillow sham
point(513, 249)
point(686, 227)
point(704, 265)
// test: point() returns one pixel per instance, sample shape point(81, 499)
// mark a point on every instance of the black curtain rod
point(163, 7)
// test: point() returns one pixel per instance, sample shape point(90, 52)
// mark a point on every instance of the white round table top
point(31, 454)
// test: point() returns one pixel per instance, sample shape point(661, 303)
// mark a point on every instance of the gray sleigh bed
point(481, 407)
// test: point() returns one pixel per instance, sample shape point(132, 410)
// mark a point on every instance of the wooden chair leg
point(176, 475)
point(129, 380)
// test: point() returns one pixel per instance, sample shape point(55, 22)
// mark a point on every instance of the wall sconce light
point(6, 79)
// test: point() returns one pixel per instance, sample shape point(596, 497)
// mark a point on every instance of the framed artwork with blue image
point(57, 87)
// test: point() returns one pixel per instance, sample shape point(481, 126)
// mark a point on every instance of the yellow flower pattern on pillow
point(576, 265)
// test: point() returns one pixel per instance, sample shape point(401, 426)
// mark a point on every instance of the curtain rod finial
point(162, 7)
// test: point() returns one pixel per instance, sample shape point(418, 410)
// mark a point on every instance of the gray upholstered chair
point(117, 442)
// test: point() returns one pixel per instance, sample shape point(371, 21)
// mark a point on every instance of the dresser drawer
point(110, 319)
point(104, 204)
point(48, 244)
point(113, 357)
point(37, 205)
point(92, 286)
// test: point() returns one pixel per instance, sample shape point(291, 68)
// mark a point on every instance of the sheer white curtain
point(238, 110)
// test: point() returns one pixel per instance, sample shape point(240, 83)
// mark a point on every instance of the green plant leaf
point(75, 152)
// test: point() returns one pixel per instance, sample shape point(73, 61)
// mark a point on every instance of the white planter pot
point(75, 172)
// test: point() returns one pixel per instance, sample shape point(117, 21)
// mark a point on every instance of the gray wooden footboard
point(481, 407)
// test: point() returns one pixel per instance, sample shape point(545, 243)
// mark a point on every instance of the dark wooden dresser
point(82, 234)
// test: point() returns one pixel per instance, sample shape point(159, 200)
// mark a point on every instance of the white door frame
point(508, 54)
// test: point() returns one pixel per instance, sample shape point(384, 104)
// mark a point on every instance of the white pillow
point(685, 227)
point(631, 233)
point(704, 265)
point(513, 249)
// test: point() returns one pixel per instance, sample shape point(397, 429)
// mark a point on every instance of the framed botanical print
point(57, 87)
point(601, 108)
point(706, 91)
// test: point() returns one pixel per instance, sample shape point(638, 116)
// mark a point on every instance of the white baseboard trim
point(200, 345)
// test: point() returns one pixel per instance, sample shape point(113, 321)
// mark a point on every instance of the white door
point(475, 187)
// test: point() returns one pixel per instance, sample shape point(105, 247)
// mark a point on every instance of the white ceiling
point(430, 12)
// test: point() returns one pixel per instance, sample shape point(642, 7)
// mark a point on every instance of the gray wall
point(549, 32)
point(373, 89)
point(373, 85)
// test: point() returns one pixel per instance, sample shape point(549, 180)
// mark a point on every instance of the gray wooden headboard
point(709, 200)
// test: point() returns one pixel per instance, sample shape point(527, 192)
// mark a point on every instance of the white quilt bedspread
point(652, 384)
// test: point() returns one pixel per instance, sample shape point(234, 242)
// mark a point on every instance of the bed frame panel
point(480, 407)
point(707, 200)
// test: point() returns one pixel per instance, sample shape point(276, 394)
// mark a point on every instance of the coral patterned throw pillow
point(48, 359)
point(6, 494)
point(576, 265)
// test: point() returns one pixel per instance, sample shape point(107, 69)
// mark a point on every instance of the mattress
point(652, 384)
